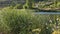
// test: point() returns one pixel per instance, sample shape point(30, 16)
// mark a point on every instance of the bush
point(14, 21)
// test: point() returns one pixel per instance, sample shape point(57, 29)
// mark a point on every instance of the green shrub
point(15, 21)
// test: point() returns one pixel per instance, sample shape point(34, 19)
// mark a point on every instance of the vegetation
point(24, 21)
point(21, 18)
point(45, 4)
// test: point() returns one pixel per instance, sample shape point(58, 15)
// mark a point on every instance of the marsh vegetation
point(20, 18)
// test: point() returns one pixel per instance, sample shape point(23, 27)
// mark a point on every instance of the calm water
point(47, 12)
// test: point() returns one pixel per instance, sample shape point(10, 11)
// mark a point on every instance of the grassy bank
point(15, 21)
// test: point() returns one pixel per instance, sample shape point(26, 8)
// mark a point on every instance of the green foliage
point(28, 4)
point(17, 21)
point(24, 21)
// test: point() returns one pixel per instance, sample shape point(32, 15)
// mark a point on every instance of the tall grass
point(24, 21)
